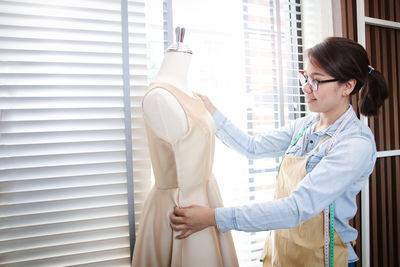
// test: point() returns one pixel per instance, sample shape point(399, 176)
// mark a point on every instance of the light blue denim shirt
point(337, 177)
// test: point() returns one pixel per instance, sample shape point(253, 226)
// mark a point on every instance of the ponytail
point(373, 94)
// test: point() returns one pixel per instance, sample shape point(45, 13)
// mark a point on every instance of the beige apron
point(303, 245)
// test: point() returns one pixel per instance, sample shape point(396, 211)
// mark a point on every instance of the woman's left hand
point(191, 219)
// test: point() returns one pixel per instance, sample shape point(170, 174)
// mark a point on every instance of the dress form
point(164, 114)
point(180, 134)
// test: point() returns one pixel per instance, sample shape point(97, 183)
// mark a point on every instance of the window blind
point(63, 174)
point(138, 84)
point(273, 57)
point(247, 64)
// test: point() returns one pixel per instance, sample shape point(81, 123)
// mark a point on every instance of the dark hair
point(345, 59)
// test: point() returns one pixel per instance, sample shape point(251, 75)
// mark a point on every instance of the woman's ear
point(349, 87)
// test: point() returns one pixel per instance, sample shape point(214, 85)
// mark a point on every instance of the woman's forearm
point(272, 144)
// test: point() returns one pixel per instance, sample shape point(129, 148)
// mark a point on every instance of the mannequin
point(163, 112)
point(180, 134)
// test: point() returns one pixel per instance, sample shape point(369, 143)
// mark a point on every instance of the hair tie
point(370, 69)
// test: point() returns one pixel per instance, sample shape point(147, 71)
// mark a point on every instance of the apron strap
point(294, 141)
point(318, 145)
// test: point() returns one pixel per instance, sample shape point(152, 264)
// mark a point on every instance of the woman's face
point(329, 96)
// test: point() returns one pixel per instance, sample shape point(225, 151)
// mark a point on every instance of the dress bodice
point(187, 161)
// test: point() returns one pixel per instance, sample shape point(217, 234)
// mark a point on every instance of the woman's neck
point(174, 70)
point(326, 119)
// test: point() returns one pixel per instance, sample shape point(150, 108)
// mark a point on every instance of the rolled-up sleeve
point(271, 144)
point(351, 160)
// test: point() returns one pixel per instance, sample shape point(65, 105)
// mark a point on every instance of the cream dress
point(183, 177)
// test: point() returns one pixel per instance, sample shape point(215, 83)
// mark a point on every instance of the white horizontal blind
point(63, 180)
point(167, 23)
point(138, 86)
point(273, 48)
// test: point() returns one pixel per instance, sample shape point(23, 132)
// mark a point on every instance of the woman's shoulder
point(359, 134)
point(359, 129)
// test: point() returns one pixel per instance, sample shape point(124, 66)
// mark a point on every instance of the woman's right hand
point(207, 103)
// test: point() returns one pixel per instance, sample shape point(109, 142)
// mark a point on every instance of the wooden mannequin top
point(162, 111)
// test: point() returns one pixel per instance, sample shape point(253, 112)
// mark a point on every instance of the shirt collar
point(332, 128)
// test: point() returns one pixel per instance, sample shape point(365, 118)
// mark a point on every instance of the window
point(63, 166)
point(246, 55)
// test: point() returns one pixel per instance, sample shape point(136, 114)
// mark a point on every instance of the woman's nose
point(307, 89)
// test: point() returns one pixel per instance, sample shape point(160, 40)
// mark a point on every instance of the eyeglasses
point(312, 83)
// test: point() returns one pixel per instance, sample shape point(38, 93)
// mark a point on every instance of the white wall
point(317, 21)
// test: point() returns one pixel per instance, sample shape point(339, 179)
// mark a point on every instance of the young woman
point(327, 159)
